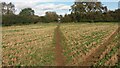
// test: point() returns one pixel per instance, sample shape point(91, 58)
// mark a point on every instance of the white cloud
point(51, 6)
point(59, 8)
point(28, 1)
point(40, 6)
point(38, 0)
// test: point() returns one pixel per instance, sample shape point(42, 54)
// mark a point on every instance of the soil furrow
point(59, 58)
point(94, 57)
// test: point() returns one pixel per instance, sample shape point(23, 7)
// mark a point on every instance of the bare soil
point(59, 58)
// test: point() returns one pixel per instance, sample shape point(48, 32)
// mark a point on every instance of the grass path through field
point(59, 58)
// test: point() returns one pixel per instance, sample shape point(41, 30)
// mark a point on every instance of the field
point(67, 44)
point(28, 45)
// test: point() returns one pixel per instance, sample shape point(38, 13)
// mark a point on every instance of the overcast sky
point(60, 6)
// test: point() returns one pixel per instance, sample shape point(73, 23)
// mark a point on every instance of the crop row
point(111, 53)
point(107, 56)
point(81, 39)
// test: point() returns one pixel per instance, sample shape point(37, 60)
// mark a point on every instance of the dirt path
point(94, 57)
point(59, 58)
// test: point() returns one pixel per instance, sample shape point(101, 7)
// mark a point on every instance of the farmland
point(28, 45)
point(76, 43)
point(84, 39)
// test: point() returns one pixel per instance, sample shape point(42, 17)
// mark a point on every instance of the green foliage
point(27, 12)
point(81, 12)
point(91, 12)
point(9, 20)
point(51, 17)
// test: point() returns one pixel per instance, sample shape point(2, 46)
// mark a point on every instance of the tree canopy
point(81, 11)
point(51, 17)
point(27, 12)
point(8, 8)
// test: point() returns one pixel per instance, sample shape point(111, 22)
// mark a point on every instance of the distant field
point(35, 45)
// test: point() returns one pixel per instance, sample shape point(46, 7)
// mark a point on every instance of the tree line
point(80, 12)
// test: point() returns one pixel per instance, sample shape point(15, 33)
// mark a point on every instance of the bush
point(9, 20)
